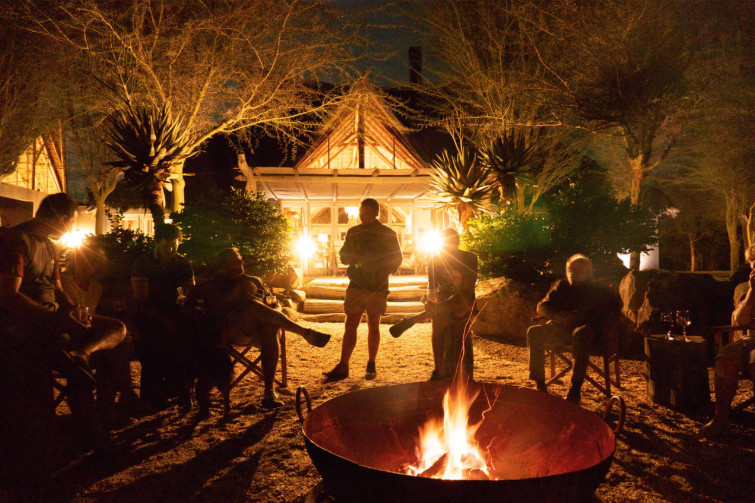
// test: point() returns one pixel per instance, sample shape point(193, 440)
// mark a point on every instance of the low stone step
point(403, 293)
point(319, 306)
point(393, 281)
point(387, 319)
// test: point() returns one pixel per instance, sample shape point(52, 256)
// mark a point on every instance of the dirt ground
point(259, 455)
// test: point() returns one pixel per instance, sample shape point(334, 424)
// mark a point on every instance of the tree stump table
point(676, 371)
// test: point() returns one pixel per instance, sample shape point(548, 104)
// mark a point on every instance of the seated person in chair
point(735, 357)
point(235, 306)
point(576, 308)
point(41, 326)
point(155, 279)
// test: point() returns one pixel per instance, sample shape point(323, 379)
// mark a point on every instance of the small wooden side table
point(676, 371)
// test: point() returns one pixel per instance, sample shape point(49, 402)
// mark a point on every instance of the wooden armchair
point(238, 355)
point(609, 346)
point(723, 335)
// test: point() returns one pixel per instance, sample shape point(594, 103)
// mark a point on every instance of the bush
point(512, 245)
point(534, 247)
point(221, 220)
point(121, 248)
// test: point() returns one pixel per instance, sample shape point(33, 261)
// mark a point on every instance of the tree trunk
point(155, 202)
point(638, 178)
point(732, 215)
point(748, 225)
point(179, 186)
point(99, 216)
point(520, 198)
point(692, 257)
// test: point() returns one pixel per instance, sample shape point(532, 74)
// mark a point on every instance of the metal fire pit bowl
point(542, 447)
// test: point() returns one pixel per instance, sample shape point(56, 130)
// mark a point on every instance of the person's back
point(370, 249)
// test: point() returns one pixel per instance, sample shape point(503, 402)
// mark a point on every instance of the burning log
point(475, 474)
point(436, 468)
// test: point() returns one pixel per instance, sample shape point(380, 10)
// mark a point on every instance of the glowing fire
point(447, 449)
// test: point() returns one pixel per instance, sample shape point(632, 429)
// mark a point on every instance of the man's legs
point(726, 381)
point(254, 312)
point(347, 348)
point(537, 337)
point(270, 352)
point(440, 346)
point(458, 350)
point(373, 341)
point(582, 338)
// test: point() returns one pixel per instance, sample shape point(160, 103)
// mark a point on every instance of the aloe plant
point(149, 143)
point(508, 159)
point(461, 184)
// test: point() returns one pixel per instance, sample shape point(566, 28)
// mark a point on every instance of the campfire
point(447, 448)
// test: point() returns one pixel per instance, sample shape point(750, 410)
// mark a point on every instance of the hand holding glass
point(682, 317)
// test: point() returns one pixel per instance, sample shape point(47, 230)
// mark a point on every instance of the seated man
point(575, 309)
point(235, 304)
point(735, 357)
point(41, 324)
point(155, 279)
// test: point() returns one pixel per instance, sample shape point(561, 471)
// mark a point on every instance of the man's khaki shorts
point(358, 301)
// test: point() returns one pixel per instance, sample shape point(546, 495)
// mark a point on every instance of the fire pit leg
point(622, 412)
point(299, 391)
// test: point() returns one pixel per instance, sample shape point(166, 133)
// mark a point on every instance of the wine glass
point(682, 317)
point(668, 319)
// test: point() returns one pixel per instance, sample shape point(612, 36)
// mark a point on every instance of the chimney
point(415, 65)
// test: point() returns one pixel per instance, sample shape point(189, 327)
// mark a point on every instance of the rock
point(290, 313)
point(506, 307)
point(646, 293)
point(298, 296)
point(288, 281)
point(285, 302)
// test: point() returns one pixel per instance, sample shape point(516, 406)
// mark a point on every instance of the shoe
point(72, 366)
point(401, 327)
point(541, 386)
point(338, 373)
point(715, 429)
point(574, 395)
point(271, 400)
point(371, 372)
point(315, 338)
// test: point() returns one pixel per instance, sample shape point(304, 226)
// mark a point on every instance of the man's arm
point(394, 256)
point(551, 306)
point(347, 253)
point(16, 302)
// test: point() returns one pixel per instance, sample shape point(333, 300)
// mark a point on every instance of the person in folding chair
point(575, 309)
point(42, 326)
point(236, 307)
point(734, 358)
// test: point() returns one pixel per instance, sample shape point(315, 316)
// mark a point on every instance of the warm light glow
point(305, 246)
point(352, 212)
point(431, 242)
point(322, 238)
point(168, 220)
point(447, 449)
point(73, 239)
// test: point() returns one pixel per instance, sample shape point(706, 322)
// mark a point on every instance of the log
point(676, 371)
point(317, 306)
point(436, 468)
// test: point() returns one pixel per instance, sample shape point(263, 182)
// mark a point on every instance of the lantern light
point(431, 242)
point(72, 239)
point(304, 246)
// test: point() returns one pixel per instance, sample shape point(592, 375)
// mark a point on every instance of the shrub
point(219, 220)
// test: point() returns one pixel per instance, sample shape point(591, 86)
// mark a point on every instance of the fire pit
point(539, 447)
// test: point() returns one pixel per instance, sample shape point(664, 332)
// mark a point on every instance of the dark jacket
point(372, 253)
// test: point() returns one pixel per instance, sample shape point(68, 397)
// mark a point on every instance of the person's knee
point(535, 334)
point(583, 334)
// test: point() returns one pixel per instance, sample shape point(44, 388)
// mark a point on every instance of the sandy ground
point(259, 454)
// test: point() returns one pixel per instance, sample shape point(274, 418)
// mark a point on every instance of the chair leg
point(284, 365)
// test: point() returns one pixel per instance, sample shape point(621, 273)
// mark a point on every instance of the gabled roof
point(365, 116)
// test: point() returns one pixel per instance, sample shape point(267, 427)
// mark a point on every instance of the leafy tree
point(121, 248)
point(227, 67)
point(220, 220)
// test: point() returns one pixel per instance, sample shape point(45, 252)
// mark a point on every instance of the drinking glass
point(682, 317)
point(668, 320)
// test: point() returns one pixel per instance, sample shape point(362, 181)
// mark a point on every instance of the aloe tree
point(508, 159)
point(149, 143)
point(461, 184)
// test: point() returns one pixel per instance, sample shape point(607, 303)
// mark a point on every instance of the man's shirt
point(373, 253)
point(164, 279)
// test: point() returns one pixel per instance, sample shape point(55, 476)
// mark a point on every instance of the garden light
point(72, 239)
point(431, 242)
point(305, 247)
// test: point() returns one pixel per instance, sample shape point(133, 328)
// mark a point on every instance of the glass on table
point(683, 318)
point(669, 323)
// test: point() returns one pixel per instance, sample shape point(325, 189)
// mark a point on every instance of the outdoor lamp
point(304, 246)
point(72, 239)
point(431, 242)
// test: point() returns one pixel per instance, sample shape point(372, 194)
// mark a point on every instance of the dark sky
point(393, 31)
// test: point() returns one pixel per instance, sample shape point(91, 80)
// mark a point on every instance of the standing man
point(735, 357)
point(454, 274)
point(155, 279)
point(576, 308)
point(372, 252)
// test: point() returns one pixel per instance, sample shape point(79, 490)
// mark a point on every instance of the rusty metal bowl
point(542, 447)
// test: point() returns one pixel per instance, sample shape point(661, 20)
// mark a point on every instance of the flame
point(447, 449)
